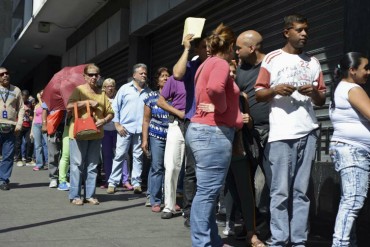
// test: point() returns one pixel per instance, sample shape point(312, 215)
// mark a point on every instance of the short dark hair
point(159, 72)
point(196, 42)
point(290, 19)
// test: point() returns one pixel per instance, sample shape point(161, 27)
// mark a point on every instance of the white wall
point(37, 5)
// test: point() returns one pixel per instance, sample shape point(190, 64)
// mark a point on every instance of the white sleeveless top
point(350, 126)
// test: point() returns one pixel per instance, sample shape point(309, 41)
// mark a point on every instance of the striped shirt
point(159, 118)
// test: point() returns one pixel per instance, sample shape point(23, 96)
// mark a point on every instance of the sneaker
point(229, 229)
point(36, 168)
point(63, 186)
point(147, 202)
point(137, 190)
point(53, 183)
point(20, 163)
point(166, 215)
point(111, 189)
point(4, 186)
point(31, 163)
point(187, 223)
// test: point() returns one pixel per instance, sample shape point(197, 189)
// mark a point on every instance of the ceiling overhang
point(46, 34)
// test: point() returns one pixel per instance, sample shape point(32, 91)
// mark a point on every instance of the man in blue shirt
point(128, 106)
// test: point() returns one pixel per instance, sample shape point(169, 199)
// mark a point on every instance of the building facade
point(39, 37)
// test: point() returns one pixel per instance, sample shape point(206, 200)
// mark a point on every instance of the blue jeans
point(353, 165)
point(122, 147)
point(40, 142)
point(288, 167)
point(156, 172)
point(6, 164)
point(211, 146)
point(84, 158)
point(108, 149)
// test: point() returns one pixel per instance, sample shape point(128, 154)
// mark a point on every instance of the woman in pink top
point(210, 134)
point(40, 139)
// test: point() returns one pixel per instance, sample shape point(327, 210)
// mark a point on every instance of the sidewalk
point(33, 215)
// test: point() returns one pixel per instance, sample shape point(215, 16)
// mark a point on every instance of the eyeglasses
point(4, 73)
point(92, 74)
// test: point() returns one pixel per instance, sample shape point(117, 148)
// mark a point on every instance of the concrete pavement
point(34, 215)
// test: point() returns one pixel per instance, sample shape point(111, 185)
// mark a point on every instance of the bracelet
point(105, 121)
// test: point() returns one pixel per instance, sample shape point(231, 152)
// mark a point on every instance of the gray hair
point(109, 81)
point(139, 65)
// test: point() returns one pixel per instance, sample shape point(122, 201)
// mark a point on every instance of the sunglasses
point(92, 74)
point(4, 73)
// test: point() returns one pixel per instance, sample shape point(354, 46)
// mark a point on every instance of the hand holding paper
point(193, 26)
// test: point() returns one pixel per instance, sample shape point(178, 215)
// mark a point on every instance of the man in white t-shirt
point(292, 81)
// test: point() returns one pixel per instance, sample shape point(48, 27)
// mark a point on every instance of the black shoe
point(166, 215)
point(187, 222)
point(4, 187)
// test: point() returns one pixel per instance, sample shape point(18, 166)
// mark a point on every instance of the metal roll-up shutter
point(325, 38)
point(326, 20)
point(116, 67)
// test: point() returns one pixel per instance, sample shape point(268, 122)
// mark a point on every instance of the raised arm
point(180, 67)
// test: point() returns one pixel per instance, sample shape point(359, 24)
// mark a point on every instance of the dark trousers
point(55, 151)
point(239, 184)
point(24, 134)
point(256, 154)
point(190, 180)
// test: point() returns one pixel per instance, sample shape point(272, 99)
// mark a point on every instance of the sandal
point(77, 202)
point(253, 241)
point(128, 186)
point(92, 201)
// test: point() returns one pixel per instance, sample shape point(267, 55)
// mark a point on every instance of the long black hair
point(349, 60)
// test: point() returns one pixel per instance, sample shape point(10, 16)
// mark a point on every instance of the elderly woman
point(85, 151)
point(110, 139)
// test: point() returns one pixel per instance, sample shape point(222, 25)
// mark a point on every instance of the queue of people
point(221, 117)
